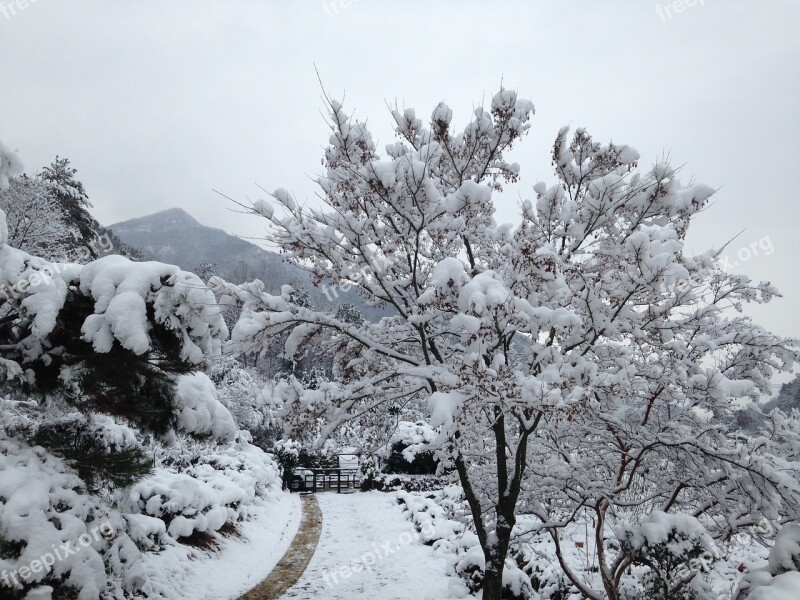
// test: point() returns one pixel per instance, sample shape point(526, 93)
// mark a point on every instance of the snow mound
point(198, 410)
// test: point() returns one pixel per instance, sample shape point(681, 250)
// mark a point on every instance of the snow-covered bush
point(780, 579)
point(287, 455)
point(434, 517)
point(673, 549)
point(44, 506)
point(205, 488)
point(410, 449)
point(46, 516)
point(392, 482)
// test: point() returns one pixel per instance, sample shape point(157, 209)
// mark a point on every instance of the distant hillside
point(174, 236)
point(787, 399)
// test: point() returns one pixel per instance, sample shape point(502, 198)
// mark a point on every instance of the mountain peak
point(177, 214)
point(173, 236)
point(174, 216)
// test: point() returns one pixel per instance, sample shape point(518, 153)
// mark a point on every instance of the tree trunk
point(495, 557)
point(493, 582)
point(495, 544)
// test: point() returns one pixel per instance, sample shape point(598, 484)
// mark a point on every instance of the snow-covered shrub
point(198, 410)
point(101, 449)
point(428, 517)
point(393, 482)
point(409, 449)
point(202, 487)
point(52, 534)
point(287, 455)
point(44, 505)
point(547, 580)
point(433, 516)
point(780, 579)
point(673, 549)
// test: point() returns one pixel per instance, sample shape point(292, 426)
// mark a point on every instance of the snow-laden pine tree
point(69, 193)
point(578, 361)
point(107, 338)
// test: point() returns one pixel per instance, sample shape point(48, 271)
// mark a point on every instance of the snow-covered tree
point(348, 313)
point(108, 338)
point(71, 196)
point(584, 344)
point(36, 221)
point(10, 166)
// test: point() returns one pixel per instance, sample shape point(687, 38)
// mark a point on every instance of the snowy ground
point(369, 550)
point(240, 563)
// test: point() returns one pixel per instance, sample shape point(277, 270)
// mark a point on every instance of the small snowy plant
point(780, 579)
point(672, 549)
point(582, 361)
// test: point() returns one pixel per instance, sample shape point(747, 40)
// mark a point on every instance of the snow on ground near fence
point(369, 550)
point(240, 562)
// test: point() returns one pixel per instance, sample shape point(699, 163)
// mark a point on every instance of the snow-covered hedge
point(55, 534)
point(52, 531)
point(780, 579)
point(216, 488)
point(458, 545)
point(663, 547)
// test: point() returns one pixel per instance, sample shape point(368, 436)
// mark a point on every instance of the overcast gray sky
point(157, 103)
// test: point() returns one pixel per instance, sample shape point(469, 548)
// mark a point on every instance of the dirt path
point(294, 562)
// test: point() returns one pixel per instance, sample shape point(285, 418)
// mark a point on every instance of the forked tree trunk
point(495, 544)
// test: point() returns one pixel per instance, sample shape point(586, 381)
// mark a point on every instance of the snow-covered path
point(368, 550)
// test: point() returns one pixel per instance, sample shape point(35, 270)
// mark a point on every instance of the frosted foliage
point(198, 410)
point(121, 290)
point(10, 165)
point(780, 579)
point(586, 325)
